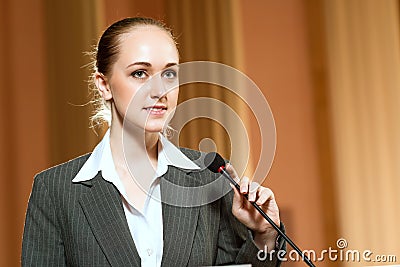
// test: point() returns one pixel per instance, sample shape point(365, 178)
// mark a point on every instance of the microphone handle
point(282, 234)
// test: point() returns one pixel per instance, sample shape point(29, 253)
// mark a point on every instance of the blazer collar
point(103, 209)
point(180, 216)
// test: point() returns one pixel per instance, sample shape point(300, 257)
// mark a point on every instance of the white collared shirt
point(146, 227)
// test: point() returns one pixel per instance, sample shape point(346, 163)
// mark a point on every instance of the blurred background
point(330, 70)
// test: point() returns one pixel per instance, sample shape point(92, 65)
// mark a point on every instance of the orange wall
point(276, 57)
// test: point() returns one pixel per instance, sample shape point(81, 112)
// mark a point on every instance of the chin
point(154, 128)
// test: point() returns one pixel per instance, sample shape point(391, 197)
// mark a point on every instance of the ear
point(103, 86)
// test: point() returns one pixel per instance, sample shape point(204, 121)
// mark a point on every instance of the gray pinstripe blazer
point(84, 224)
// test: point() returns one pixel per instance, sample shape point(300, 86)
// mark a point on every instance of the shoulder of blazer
point(57, 184)
point(191, 154)
point(65, 171)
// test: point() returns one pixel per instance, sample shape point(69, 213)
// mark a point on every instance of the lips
point(156, 107)
point(156, 110)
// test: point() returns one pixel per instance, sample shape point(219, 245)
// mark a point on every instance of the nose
point(157, 87)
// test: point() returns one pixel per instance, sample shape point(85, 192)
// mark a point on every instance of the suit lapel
point(103, 209)
point(179, 218)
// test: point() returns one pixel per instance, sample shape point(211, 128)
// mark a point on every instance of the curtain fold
point(364, 69)
point(72, 29)
point(23, 116)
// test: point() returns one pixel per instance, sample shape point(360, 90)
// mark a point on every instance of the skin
point(146, 72)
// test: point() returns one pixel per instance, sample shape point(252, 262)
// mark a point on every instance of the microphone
point(216, 164)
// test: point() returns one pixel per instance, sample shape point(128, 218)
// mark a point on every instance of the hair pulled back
point(106, 54)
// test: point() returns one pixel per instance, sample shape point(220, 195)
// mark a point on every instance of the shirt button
point(149, 251)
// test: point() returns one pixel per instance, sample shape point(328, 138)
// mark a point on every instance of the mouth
point(156, 110)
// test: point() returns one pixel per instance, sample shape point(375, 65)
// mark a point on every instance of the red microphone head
point(214, 162)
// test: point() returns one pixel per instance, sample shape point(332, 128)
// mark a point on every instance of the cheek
point(121, 101)
point(173, 96)
point(124, 91)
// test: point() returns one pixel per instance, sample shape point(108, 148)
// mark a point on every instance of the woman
point(91, 211)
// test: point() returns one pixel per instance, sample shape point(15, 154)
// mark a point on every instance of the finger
point(232, 172)
point(244, 185)
point(237, 202)
point(253, 189)
point(264, 195)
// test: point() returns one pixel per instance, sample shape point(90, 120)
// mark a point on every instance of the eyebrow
point(147, 64)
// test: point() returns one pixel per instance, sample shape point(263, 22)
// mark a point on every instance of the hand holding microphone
point(243, 210)
point(262, 199)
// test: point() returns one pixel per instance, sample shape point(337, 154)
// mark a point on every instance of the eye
point(139, 74)
point(170, 74)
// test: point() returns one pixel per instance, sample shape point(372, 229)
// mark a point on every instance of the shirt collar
point(173, 156)
point(101, 160)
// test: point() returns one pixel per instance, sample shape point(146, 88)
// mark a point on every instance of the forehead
point(147, 44)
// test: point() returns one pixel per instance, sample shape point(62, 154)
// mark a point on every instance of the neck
point(135, 156)
point(130, 144)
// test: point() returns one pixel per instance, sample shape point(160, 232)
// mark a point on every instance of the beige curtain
point(72, 29)
point(23, 134)
point(364, 78)
point(323, 124)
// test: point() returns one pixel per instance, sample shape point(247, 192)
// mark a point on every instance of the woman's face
point(143, 83)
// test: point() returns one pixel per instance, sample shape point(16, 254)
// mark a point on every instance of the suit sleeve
point(42, 244)
point(235, 241)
